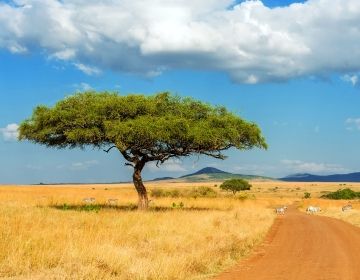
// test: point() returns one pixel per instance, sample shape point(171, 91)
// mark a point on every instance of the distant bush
point(88, 207)
point(342, 194)
point(244, 196)
point(194, 192)
point(235, 185)
point(157, 193)
point(202, 192)
point(307, 195)
point(164, 193)
point(180, 205)
point(65, 206)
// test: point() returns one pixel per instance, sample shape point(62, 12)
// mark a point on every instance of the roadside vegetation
point(352, 216)
point(342, 194)
point(333, 208)
point(331, 199)
point(307, 195)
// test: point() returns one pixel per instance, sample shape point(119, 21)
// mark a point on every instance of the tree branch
point(128, 157)
point(108, 150)
point(218, 156)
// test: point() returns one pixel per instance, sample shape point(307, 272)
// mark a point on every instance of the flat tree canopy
point(143, 128)
point(235, 185)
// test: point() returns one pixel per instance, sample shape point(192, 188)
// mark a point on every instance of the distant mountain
point(305, 177)
point(206, 170)
point(212, 174)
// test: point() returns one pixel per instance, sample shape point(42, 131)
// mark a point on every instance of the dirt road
point(303, 247)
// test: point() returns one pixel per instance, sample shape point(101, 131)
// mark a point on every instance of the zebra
point(347, 207)
point(280, 210)
point(313, 209)
point(89, 200)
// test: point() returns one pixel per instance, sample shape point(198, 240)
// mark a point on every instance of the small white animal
point(347, 207)
point(313, 209)
point(280, 210)
point(89, 200)
point(112, 201)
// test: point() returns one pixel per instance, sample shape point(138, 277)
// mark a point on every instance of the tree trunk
point(143, 202)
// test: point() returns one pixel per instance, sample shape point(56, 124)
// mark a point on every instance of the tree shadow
point(121, 208)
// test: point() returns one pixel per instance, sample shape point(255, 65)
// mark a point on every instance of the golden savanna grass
point(332, 208)
point(41, 238)
point(40, 241)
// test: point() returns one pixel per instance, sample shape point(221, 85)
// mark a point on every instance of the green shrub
point(235, 185)
point(307, 195)
point(90, 207)
point(66, 206)
point(342, 194)
point(180, 205)
point(87, 207)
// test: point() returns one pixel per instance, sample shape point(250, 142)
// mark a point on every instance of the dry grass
point(296, 190)
point(333, 208)
point(40, 238)
point(39, 241)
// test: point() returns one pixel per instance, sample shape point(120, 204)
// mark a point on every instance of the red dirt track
point(303, 247)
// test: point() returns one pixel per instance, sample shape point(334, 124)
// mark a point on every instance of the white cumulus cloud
point(249, 41)
point(10, 132)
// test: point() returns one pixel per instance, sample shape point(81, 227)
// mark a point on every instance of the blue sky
point(269, 69)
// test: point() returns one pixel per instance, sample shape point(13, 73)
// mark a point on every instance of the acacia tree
point(235, 185)
point(143, 128)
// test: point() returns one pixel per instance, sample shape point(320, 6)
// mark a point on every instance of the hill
point(212, 174)
point(206, 170)
point(305, 177)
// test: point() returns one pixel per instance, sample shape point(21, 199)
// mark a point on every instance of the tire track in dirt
point(301, 246)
